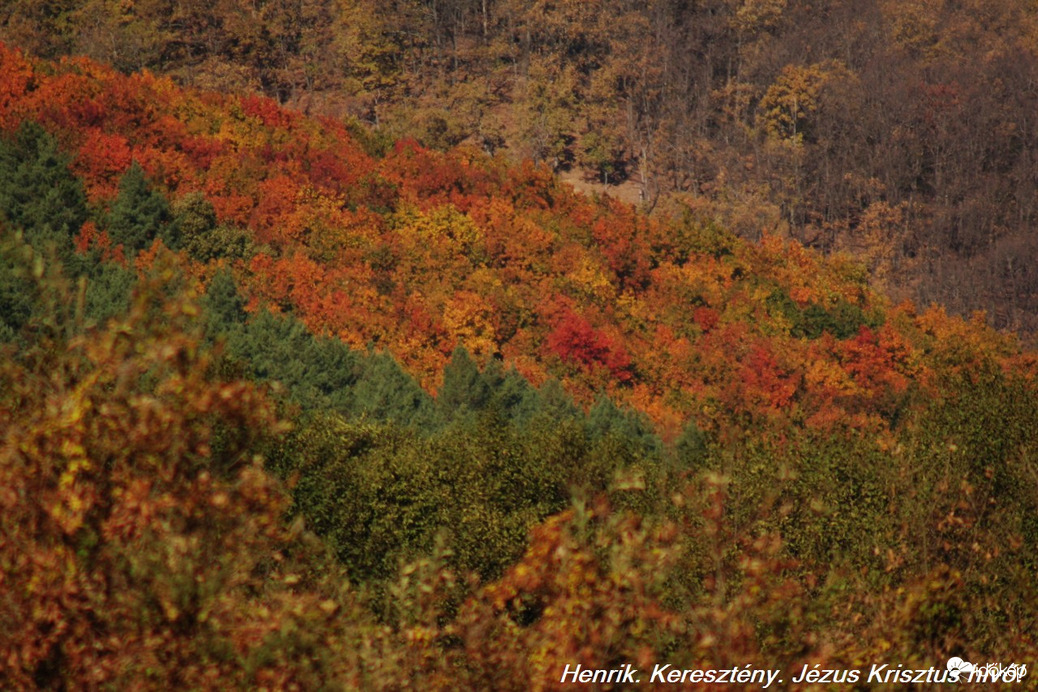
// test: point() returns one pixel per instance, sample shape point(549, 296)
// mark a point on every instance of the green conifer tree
point(464, 389)
point(385, 392)
point(224, 306)
point(317, 373)
point(555, 403)
point(108, 292)
point(38, 193)
point(691, 447)
point(16, 290)
point(606, 420)
point(512, 394)
point(140, 214)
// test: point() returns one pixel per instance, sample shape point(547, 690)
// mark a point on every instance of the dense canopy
point(283, 404)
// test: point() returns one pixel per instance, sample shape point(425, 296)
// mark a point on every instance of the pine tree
point(464, 388)
point(318, 373)
point(512, 394)
point(16, 290)
point(108, 292)
point(555, 403)
point(38, 193)
point(223, 304)
point(140, 214)
point(691, 447)
point(606, 420)
point(385, 392)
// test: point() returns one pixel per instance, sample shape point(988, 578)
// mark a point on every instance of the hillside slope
point(418, 252)
point(840, 481)
point(899, 131)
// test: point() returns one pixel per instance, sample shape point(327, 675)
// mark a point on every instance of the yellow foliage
point(591, 280)
point(830, 378)
point(469, 320)
point(785, 109)
point(441, 225)
point(753, 16)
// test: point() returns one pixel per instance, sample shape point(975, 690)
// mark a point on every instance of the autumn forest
point(444, 344)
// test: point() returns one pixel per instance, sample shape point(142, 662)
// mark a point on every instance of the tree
point(605, 420)
point(108, 292)
point(384, 392)
point(16, 288)
point(691, 447)
point(194, 220)
point(38, 193)
point(317, 373)
point(223, 304)
point(556, 404)
point(140, 214)
point(511, 393)
point(464, 389)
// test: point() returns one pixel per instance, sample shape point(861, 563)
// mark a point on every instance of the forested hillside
point(286, 402)
point(901, 131)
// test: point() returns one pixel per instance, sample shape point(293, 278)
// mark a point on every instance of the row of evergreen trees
point(41, 196)
point(382, 470)
point(324, 374)
point(42, 199)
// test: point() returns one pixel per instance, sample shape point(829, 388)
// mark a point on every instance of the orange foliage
point(575, 340)
point(102, 159)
